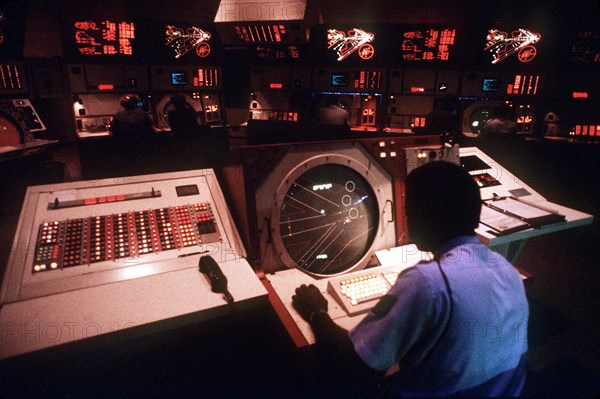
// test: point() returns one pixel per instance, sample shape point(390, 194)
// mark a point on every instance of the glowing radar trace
point(345, 44)
point(184, 41)
point(520, 41)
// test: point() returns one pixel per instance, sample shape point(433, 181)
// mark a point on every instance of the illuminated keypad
point(364, 288)
point(99, 238)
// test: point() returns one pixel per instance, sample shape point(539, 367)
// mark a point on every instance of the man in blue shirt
point(456, 325)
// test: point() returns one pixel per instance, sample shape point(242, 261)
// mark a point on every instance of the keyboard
point(358, 292)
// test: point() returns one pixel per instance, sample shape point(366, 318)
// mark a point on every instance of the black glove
point(309, 301)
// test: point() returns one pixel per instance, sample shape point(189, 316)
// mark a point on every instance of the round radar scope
point(328, 219)
point(327, 208)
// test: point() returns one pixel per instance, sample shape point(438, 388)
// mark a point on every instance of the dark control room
point(299, 198)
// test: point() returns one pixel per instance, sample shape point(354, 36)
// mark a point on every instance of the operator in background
point(133, 137)
point(332, 118)
point(456, 325)
point(132, 122)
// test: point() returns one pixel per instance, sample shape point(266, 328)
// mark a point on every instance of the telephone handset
point(218, 281)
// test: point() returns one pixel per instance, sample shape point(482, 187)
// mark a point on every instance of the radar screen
point(327, 207)
point(328, 219)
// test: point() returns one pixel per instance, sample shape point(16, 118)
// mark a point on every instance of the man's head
point(442, 202)
point(129, 101)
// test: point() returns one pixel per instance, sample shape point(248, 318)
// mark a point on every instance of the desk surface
point(12, 151)
point(152, 303)
point(286, 282)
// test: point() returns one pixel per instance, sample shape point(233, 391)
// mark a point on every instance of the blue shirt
point(486, 336)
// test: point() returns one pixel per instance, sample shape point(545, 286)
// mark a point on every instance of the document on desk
point(531, 214)
point(500, 222)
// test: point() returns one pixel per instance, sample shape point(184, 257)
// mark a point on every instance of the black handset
point(218, 281)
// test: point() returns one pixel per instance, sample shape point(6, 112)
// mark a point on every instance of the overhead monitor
point(179, 78)
point(104, 38)
point(490, 85)
point(339, 79)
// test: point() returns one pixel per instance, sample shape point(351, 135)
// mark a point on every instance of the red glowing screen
point(10, 77)
point(261, 33)
point(586, 48)
point(183, 41)
point(520, 42)
point(428, 44)
point(354, 41)
point(524, 84)
point(104, 38)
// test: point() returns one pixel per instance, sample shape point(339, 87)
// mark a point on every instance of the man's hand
point(308, 301)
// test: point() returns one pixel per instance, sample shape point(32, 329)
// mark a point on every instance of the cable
point(449, 295)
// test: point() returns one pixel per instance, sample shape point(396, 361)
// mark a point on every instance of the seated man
point(441, 119)
point(132, 122)
point(332, 119)
point(182, 118)
point(455, 325)
point(133, 137)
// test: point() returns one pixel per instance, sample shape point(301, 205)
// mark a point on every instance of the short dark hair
point(442, 202)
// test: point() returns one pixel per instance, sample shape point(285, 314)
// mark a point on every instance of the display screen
point(185, 40)
point(490, 85)
point(427, 44)
point(354, 41)
point(520, 43)
point(473, 162)
point(478, 118)
point(339, 79)
point(328, 219)
point(179, 78)
point(104, 37)
point(586, 48)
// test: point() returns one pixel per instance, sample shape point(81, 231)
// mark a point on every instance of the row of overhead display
point(387, 76)
point(130, 255)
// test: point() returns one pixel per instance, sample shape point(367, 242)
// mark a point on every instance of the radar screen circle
point(366, 51)
point(478, 118)
point(527, 53)
point(203, 50)
point(328, 220)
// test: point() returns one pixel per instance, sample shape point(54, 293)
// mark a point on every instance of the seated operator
point(455, 325)
point(133, 137)
point(132, 122)
point(182, 118)
point(441, 119)
point(501, 123)
point(333, 117)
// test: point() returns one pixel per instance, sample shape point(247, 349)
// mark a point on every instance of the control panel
point(418, 156)
point(23, 112)
point(77, 235)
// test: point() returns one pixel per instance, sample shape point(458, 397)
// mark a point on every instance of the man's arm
point(331, 340)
